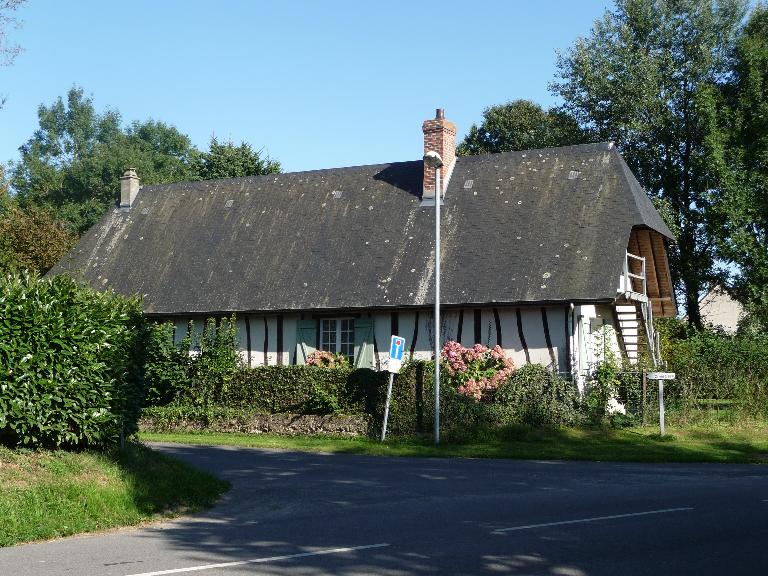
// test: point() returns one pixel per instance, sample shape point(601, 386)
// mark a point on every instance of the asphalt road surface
point(310, 514)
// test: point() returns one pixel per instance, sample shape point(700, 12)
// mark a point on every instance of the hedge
point(710, 365)
point(70, 363)
point(304, 389)
point(313, 390)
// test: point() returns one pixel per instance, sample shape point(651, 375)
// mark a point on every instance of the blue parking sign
point(396, 348)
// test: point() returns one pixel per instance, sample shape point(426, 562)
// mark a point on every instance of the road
point(311, 514)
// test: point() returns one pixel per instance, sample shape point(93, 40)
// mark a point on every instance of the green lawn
point(47, 494)
point(692, 444)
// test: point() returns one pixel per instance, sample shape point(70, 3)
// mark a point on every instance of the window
point(338, 335)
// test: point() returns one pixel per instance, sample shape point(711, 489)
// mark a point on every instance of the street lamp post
point(433, 160)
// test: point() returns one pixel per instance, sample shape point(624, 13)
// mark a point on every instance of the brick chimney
point(129, 187)
point(440, 137)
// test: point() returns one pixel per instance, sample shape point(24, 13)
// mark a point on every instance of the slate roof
point(546, 225)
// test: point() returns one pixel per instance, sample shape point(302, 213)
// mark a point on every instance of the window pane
point(328, 335)
point(347, 339)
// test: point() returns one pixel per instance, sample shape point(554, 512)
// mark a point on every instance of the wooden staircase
point(629, 329)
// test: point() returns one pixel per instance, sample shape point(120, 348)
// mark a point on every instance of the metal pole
point(661, 407)
point(386, 406)
point(437, 305)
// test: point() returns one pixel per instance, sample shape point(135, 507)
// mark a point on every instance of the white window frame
point(336, 346)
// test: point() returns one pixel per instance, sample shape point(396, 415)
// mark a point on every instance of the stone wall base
point(282, 424)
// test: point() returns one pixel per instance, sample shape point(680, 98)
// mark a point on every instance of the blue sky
point(316, 84)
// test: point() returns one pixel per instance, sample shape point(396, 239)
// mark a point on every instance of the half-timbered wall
point(528, 334)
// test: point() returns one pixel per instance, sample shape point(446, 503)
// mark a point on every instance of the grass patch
point(745, 444)
point(48, 494)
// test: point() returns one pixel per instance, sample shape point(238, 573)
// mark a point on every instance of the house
point(720, 310)
point(553, 254)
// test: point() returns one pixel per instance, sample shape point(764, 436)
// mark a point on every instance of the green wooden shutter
point(364, 343)
point(306, 336)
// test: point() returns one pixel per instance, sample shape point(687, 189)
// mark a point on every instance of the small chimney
point(129, 187)
point(440, 137)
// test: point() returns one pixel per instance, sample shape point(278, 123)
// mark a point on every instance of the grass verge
point(744, 444)
point(47, 494)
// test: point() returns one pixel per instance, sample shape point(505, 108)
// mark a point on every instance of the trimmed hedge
point(70, 364)
point(539, 398)
point(314, 390)
point(302, 389)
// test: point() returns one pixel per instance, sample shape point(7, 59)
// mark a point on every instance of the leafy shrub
point(711, 365)
point(478, 371)
point(537, 397)
point(69, 363)
point(215, 360)
point(198, 369)
point(602, 387)
point(168, 366)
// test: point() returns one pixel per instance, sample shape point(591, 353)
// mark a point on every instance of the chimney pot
point(440, 114)
point(129, 187)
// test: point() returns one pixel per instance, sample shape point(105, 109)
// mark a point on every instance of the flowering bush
point(327, 359)
point(477, 371)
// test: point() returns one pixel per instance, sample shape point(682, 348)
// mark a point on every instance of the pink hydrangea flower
point(477, 371)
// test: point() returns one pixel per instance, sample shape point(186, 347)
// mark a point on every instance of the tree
point(8, 51)
point(741, 225)
point(31, 239)
point(73, 162)
point(521, 125)
point(229, 161)
point(649, 77)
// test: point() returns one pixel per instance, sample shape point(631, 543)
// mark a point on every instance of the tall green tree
point(741, 225)
point(649, 77)
point(521, 125)
point(8, 49)
point(73, 162)
point(230, 161)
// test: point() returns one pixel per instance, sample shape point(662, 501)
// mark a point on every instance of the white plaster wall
point(272, 344)
point(531, 320)
point(257, 340)
point(510, 337)
point(533, 329)
point(467, 328)
point(181, 329)
point(449, 325)
point(382, 328)
point(593, 338)
point(557, 318)
point(242, 339)
point(424, 340)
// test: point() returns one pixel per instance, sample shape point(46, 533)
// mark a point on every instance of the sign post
point(396, 349)
point(661, 376)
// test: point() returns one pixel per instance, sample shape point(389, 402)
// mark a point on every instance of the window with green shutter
point(352, 337)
